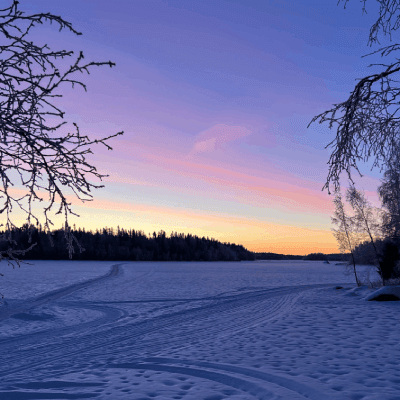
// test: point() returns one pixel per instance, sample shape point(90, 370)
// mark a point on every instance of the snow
point(388, 290)
point(37, 277)
point(193, 331)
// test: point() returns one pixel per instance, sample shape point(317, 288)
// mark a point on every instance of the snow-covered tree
point(346, 233)
point(367, 221)
point(368, 122)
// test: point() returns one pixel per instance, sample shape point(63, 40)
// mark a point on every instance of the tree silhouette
point(367, 222)
point(368, 121)
point(127, 246)
point(32, 151)
point(346, 231)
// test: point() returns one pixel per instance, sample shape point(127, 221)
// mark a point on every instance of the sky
point(214, 98)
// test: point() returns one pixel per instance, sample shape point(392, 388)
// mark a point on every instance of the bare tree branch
point(388, 20)
point(368, 121)
point(30, 147)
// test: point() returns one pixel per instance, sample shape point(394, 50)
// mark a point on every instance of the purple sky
point(214, 98)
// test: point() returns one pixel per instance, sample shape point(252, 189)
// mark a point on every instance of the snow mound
point(386, 293)
point(357, 291)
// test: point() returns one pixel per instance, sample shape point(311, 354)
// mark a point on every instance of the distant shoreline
point(309, 257)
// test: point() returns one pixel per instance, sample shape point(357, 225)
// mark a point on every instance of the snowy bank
point(386, 293)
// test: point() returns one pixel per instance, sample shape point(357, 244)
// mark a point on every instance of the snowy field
point(194, 331)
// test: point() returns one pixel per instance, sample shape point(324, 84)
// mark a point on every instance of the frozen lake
point(192, 331)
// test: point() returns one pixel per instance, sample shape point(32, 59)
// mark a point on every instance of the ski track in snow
point(74, 346)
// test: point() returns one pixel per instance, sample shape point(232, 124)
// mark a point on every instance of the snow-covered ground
point(38, 277)
point(193, 331)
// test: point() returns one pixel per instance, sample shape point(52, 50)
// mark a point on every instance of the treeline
point(309, 257)
point(123, 245)
point(326, 257)
point(275, 256)
point(365, 253)
point(383, 253)
point(108, 244)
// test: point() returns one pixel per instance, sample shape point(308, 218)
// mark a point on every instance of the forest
point(134, 245)
point(122, 245)
point(308, 257)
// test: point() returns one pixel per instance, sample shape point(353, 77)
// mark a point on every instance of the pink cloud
point(214, 137)
point(204, 146)
point(283, 190)
point(265, 186)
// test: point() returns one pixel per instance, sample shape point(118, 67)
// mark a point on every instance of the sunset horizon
point(214, 101)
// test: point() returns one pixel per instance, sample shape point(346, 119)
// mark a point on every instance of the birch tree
point(366, 220)
point(345, 233)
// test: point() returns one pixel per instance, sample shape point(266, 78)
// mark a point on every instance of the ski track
point(102, 342)
point(139, 335)
point(236, 378)
point(25, 306)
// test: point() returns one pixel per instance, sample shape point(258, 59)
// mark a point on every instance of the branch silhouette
point(31, 145)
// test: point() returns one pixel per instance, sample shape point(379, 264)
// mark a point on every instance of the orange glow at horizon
point(254, 235)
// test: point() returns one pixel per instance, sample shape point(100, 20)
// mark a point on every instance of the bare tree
point(366, 220)
point(32, 151)
point(368, 122)
point(346, 233)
